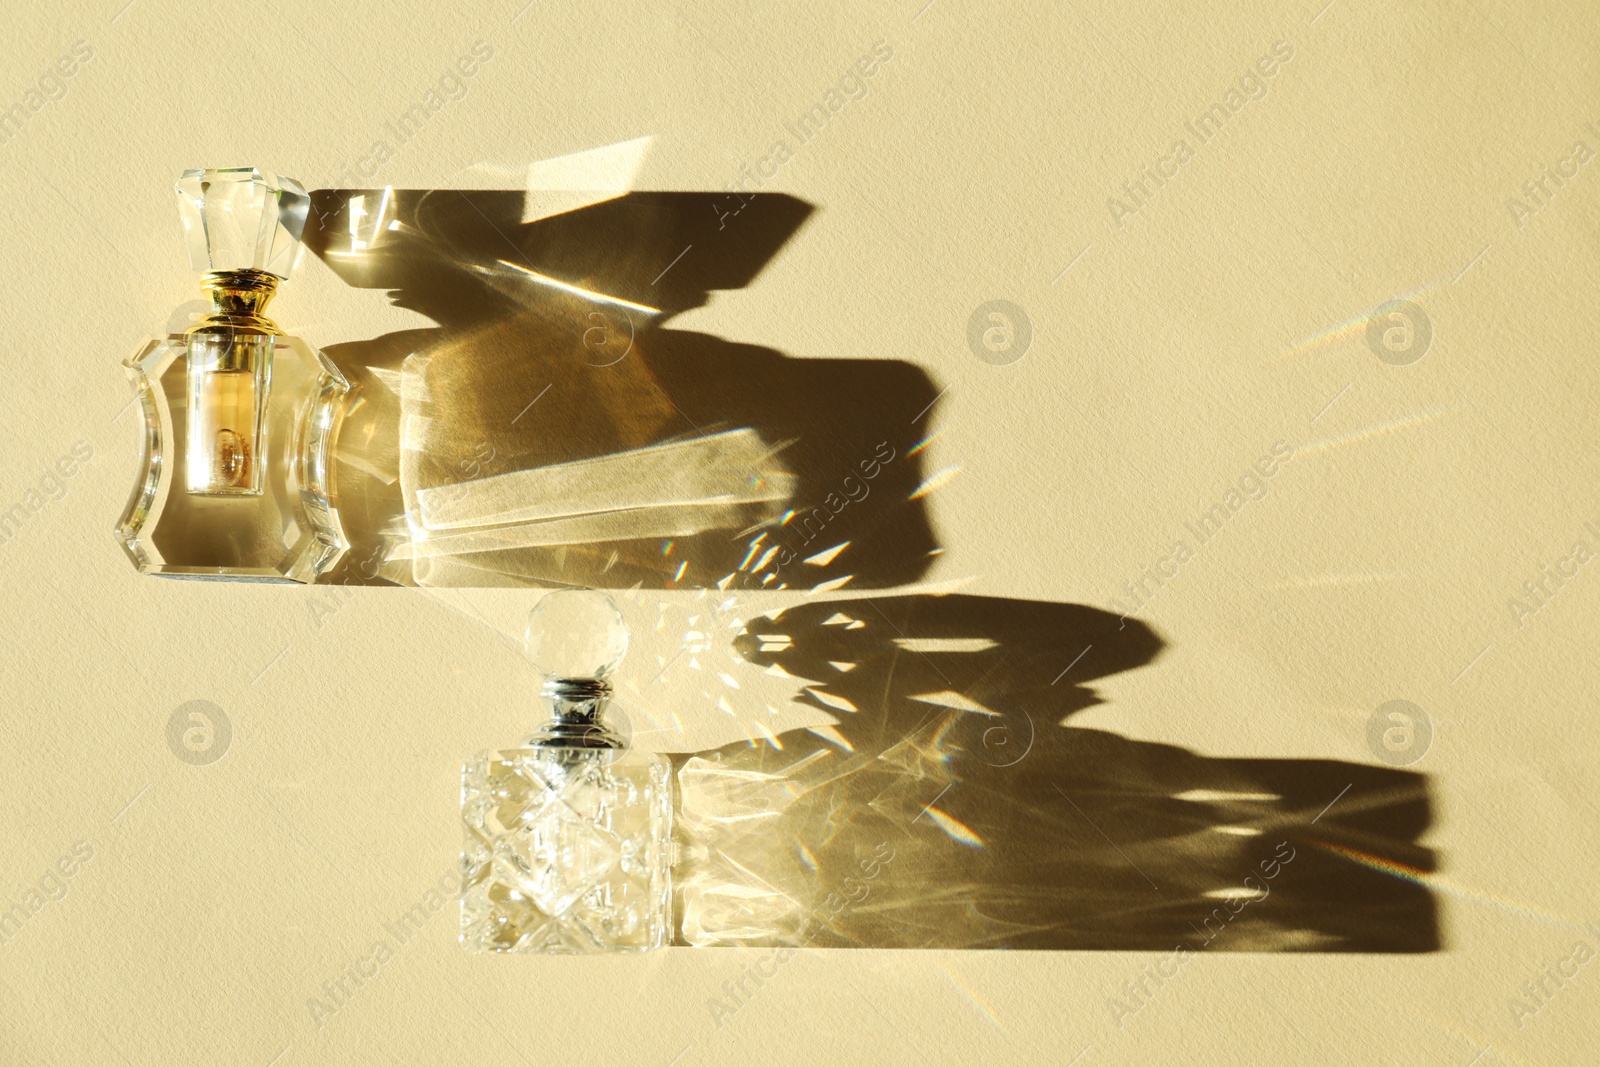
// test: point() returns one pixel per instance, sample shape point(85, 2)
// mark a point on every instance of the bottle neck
point(238, 300)
point(577, 709)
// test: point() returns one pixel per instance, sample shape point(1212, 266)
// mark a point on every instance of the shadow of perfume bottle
point(951, 807)
point(551, 430)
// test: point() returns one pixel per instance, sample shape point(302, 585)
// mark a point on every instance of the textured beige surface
point(1174, 342)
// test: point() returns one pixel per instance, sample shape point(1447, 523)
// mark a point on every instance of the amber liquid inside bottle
point(229, 374)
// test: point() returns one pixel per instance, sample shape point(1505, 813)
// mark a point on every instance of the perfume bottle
point(239, 418)
point(568, 837)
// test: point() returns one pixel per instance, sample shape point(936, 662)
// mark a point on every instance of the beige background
point(1167, 355)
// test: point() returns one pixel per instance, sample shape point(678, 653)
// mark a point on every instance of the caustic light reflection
point(948, 805)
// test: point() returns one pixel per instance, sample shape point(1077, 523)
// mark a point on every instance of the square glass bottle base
point(566, 851)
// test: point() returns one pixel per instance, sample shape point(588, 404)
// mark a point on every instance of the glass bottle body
point(234, 471)
point(566, 850)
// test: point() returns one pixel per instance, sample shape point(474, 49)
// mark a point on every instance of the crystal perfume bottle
point(568, 837)
point(239, 418)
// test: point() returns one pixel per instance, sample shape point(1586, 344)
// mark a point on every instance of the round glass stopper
point(576, 633)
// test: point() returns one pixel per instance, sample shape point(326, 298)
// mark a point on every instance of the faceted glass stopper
point(576, 633)
point(243, 218)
